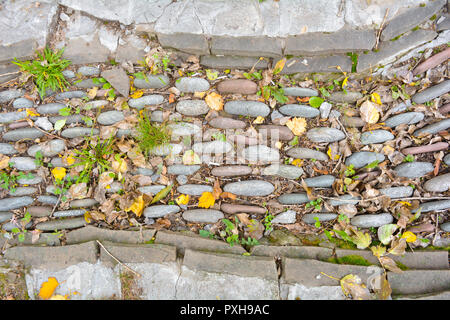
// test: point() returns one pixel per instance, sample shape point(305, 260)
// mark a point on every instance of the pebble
point(324, 181)
point(154, 189)
point(287, 217)
point(345, 97)
point(8, 95)
point(23, 163)
point(89, 71)
point(182, 179)
point(15, 202)
point(300, 92)
point(68, 74)
point(434, 128)
point(157, 116)
point(428, 148)
point(404, 118)
point(143, 171)
point(83, 203)
point(76, 118)
point(167, 149)
point(432, 92)
point(440, 183)
point(325, 109)
point(69, 213)
point(397, 192)
point(241, 140)
point(141, 102)
point(447, 159)
point(40, 211)
point(298, 110)
point(160, 211)
point(178, 169)
point(402, 106)
point(192, 108)
point(241, 86)
point(445, 227)
point(184, 129)
point(345, 199)
point(5, 216)
point(231, 171)
point(247, 108)
point(212, 147)
point(86, 84)
point(323, 134)
point(363, 158)
point(157, 81)
point(275, 115)
point(110, 117)
point(57, 162)
point(7, 149)
point(275, 133)
point(25, 133)
point(50, 108)
point(61, 224)
point(444, 109)
point(22, 103)
point(48, 149)
point(376, 136)
point(76, 132)
point(227, 123)
point(305, 153)
point(433, 61)
point(124, 133)
point(371, 220)
point(413, 169)
point(203, 215)
point(236, 208)
point(194, 189)
point(185, 84)
point(9, 226)
point(429, 206)
point(323, 217)
point(23, 191)
point(250, 188)
point(44, 123)
point(47, 199)
point(283, 170)
point(70, 95)
point(34, 180)
point(95, 104)
point(293, 198)
point(261, 153)
point(8, 117)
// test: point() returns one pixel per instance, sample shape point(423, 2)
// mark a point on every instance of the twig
point(127, 267)
point(381, 29)
point(51, 135)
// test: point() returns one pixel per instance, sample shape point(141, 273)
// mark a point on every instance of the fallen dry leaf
point(297, 125)
point(206, 200)
point(47, 288)
point(214, 101)
point(369, 112)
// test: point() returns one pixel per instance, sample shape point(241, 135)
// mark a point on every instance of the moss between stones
point(401, 266)
point(352, 259)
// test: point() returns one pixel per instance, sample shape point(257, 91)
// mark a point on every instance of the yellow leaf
point(182, 199)
point(31, 112)
point(206, 200)
point(258, 120)
point(58, 297)
point(4, 161)
point(87, 217)
point(352, 286)
point(375, 97)
point(70, 159)
point(92, 93)
point(409, 236)
point(344, 83)
point(59, 173)
point(214, 101)
point(279, 66)
point(330, 154)
point(297, 125)
point(378, 251)
point(47, 288)
point(297, 162)
point(137, 207)
point(137, 94)
point(369, 112)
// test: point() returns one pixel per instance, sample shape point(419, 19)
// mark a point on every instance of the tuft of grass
point(150, 135)
point(46, 70)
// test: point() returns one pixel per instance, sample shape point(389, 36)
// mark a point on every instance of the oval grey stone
point(231, 171)
point(23, 191)
point(160, 211)
point(227, 123)
point(9, 226)
point(194, 189)
point(76, 132)
point(75, 118)
point(24, 133)
point(300, 92)
point(8, 95)
point(34, 180)
point(110, 117)
point(432, 206)
point(322, 217)
point(434, 128)
point(70, 95)
point(166, 149)
point(293, 198)
point(286, 217)
point(376, 136)
point(95, 104)
point(61, 224)
point(274, 132)
point(157, 116)
point(283, 170)
point(182, 179)
point(397, 192)
point(69, 213)
point(5, 216)
point(305, 153)
point(68, 74)
point(23, 163)
point(345, 97)
point(324, 134)
point(7, 149)
point(445, 227)
point(324, 181)
point(212, 147)
point(149, 100)
point(183, 169)
point(299, 110)
point(86, 84)
point(345, 199)
point(143, 171)
point(261, 153)
point(363, 158)
point(83, 203)
point(47, 199)
point(48, 149)
point(185, 84)
point(250, 188)
point(404, 118)
point(247, 108)
point(203, 215)
point(447, 159)
point(15, 202)
point(184, 129)
point(22, 103)
point(151, 189)
point(89, 71)
point(8, 117)
point(413, 169)
point(440, 183)
point(192, 107)
point(432, 92)
point(371, 220)
point(151, 81)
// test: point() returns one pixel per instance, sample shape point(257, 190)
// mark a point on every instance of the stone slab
point(90, 233)
point(419, 282)
point(297, 252)
point(186, 42)
point(247, 46)
point(232, 62)
point(324, 64)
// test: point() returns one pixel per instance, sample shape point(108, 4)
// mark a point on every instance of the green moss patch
point(352, 259)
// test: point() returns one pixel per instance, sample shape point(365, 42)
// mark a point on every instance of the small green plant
point(399, 93)
point(206, 234)
point(317, 223)
point(46, 70)
point(273, 91)
point(255, 75)
point(105, 85)
point(22, 231)
point(409, 158)
point(38, 159)
point(151, 136)
point(354, 57)
point(9, 181)
point(350, 171)
point(372, 165)
point(267, 222)
point(317, 204)
point(232, 234)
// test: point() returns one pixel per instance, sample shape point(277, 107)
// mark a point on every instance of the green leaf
point(64, 111)
point(385, 233)
point(315, 102)
point(343, 235)
point(361, 239)
point(59, 124)
point(162, 194)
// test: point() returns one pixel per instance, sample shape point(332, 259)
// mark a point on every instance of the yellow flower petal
point(297, 162)
point(59, 173)
point(137, 94)
point(375, 97)
point(409, 236)
point(183, 199)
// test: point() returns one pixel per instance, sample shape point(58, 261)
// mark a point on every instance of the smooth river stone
point(283, 170)
point(185, 84)
point(345, 97)
point(440, 183)
point(75, 118)
point(427, 148)
point(15, 203)
point(300, 92)
point(231, 171)
point(23, 163)
point(8, 117)
point(167, 149)
point(154, 189)
point(322, 217)
point(22, 103)
point(48, 199)
point(186, 170)
point(7, 149)
point(430, 206)
point(141, 102)
point(353, 122)
point(299, 110)
point(241, 86)
point(397, 192)
point(194, 189)
point(69, 213)
point(447, 159)
point(286, 217)
point(445, 227)
point(433, 61)
point(376, 136)
point(89, 71)
point(212, 147)
point(324, 181)
point(371, 220)
point(404, 118)
point(160, 211)
point(25, 133)
point(23, 191)
point(70, 95)
point(157, 81)
point(76, 132)
point(61, 224)
point(184, 129)
point(227, 123)
point(143, 171)
point(203, 215)
point(48, 149)
point(276, 133)
point(324, 134)
point(363, 158)
point(293, 198)
point(83, 203)
point(432, 92)
point(250, 188)
point(86, 84)
point(192, 107)
point(305, 153)
point(261, 153)
point(34, 180)
point(236, 208)
point(110, 117)
point(413, 169)
point(5, 216)
point(247, 108)
point(434, 128)
point(8, 95)
point(345, 199)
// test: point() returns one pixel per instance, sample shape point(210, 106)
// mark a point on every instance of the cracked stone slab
point(90, 233)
